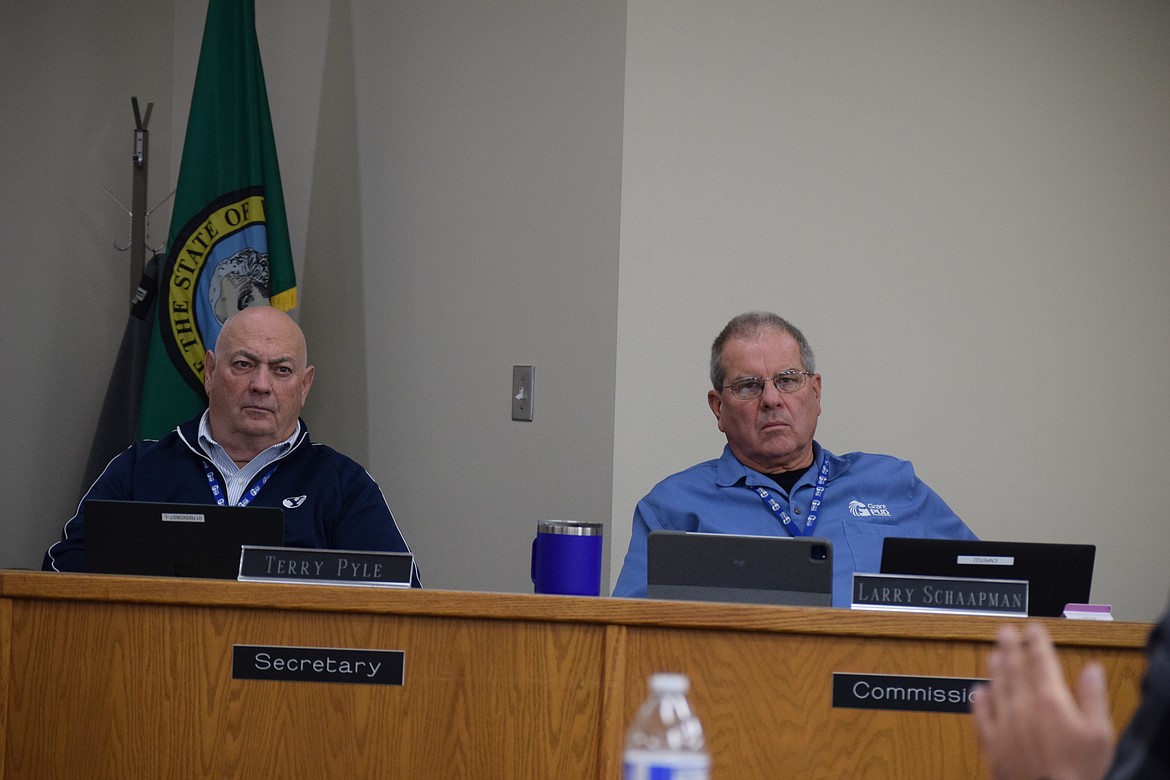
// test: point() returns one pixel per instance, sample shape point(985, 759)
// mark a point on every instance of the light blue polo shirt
point(866, 498)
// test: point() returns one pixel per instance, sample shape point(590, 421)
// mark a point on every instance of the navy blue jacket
point(342, 506)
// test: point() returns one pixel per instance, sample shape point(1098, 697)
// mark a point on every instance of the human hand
point(1029, 724)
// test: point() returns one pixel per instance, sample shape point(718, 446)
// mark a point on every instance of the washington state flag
point(228, 245)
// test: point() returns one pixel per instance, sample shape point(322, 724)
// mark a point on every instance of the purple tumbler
point(566, 558)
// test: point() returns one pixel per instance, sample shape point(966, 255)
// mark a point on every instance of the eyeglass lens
point(750, 387)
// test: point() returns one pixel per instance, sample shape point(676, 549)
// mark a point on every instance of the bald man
point(250, 447)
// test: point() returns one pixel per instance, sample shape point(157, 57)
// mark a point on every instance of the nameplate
point(949, 595)
point(318, 664)
point(902, 693)
point(325, 567)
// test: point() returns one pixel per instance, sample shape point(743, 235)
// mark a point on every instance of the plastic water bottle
point(666, 740)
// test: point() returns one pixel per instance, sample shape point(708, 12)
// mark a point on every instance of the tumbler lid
point(568, 527)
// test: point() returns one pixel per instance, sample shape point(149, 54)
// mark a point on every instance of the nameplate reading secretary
point(325, 567)
point(318, 664)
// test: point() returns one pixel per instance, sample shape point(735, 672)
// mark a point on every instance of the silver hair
point(754, 323)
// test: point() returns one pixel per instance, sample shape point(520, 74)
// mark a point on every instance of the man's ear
point(306, 383)
point(715, 401)
point(208, 370)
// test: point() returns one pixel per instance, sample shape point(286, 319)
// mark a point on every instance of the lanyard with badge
point(221, 497)
point(813, 508)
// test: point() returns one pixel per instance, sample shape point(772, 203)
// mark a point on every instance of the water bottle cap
point(669, 682)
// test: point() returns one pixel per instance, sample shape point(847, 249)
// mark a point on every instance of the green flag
point(228, 246)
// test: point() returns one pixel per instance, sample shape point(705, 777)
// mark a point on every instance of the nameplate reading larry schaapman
point(318, 664)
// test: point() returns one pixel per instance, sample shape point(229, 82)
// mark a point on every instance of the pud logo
point(859, 509)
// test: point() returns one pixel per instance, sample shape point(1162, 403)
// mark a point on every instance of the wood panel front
point(117, 691)
point(115, 677)
point(766, 701)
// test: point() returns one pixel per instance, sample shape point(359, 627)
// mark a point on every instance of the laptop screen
point(175, 540)
point(1057, 574)
point(732, 567)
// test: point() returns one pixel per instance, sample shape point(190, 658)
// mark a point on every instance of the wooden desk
point(128, 677)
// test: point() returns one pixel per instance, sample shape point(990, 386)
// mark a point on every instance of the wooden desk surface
point(17, 584)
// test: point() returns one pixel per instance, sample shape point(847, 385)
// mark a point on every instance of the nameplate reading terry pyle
point(951, 595)
point(899, 692)
point(318, 664)
point(325, 567)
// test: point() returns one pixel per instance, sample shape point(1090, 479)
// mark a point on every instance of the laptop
point(175, 540)
point(691, 566)
point(1057, 574)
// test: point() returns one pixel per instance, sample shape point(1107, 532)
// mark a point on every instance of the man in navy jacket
point(249, 447)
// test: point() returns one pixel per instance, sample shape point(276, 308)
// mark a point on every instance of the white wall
point(963, 205)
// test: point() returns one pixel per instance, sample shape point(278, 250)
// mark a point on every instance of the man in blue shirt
point(773, 478)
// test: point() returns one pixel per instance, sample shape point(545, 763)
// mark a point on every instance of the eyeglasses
point(748, 387)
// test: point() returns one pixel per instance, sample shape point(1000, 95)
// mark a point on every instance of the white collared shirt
point(237, 477)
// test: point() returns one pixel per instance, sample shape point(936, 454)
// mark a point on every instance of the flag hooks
point(146, 230)
point(138, 213)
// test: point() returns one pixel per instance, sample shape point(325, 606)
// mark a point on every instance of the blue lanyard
point(220, 496)
point(813, 508)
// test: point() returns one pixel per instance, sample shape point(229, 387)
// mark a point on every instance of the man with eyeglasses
point(773, 478)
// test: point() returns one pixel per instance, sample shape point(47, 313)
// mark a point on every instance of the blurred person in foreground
point(1031, 726)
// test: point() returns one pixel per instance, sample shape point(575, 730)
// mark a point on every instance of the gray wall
point(490, 179)
point(68, 71)
point(963, 205)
